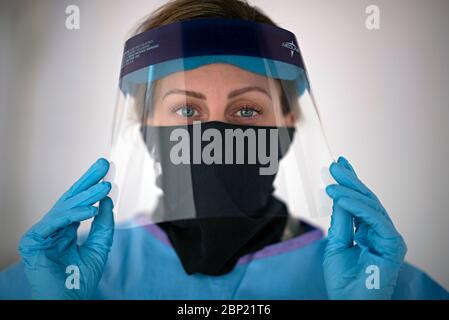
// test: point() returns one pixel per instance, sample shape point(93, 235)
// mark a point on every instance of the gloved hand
point(368, 268)
point(50, 251)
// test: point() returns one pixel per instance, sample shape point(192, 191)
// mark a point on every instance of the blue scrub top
point(143, 265)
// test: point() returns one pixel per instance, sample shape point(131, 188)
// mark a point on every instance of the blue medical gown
point(143, 265)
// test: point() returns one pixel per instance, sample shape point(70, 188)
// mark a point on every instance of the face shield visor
point(215, 118)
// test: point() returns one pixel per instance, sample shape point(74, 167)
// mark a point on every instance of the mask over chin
point(214, 212)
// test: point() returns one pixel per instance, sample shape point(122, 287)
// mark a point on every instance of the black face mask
point(216, 213)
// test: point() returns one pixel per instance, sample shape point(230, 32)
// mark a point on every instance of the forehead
point(214, 76)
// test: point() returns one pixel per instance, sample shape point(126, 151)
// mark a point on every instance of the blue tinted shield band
point(261, 66)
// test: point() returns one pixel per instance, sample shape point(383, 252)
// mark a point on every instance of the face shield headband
point(260, 48)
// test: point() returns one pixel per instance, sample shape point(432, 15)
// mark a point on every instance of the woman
point(219, 232)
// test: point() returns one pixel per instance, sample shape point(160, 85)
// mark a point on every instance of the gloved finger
point(348, 174)
point(336, 192)
point(92, 176)
point(345, 163)
point(50, 224)
point(348, 179)
point(374, 218)
point(90, 196)
point(341, 231)
point(102, 229)
point(33, 243)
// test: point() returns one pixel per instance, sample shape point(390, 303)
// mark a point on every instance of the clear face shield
point(215, 118)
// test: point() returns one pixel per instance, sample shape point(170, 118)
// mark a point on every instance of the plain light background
point(383, 97)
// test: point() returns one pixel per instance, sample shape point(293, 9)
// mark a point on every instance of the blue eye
point(247, 112)
point(186, 112)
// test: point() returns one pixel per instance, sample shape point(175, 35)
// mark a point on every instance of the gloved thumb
point(102, 229)
point(341, 231)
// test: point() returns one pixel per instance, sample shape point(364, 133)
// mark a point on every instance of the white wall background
point(383, 97)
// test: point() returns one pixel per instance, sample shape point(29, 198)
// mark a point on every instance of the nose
point(219, 118)
point(217, 110)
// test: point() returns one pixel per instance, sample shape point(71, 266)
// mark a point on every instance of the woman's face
point(218, 92)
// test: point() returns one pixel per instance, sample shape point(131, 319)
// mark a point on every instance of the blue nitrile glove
point(50, 253)
point(363, 264)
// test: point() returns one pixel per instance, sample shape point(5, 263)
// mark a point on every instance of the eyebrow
point(231, 95)
point(190, 93)
point(237, 92)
